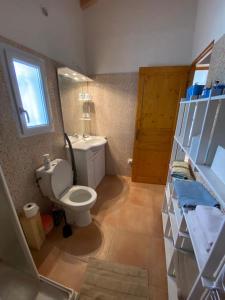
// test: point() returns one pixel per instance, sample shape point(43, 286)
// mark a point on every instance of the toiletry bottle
point(46, 158)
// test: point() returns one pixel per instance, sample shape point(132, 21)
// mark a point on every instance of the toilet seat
point(78, 196)
point(62, 178)
point(75, 197)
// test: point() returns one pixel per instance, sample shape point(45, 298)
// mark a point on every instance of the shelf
point(177, 212)
point(164, 221)
point(199, 132)
point(214, 183)
point(186, 272)
point(168, 194)
point(185, 149)
point(169, 250)
point(172, 288)
point(220, 97)
point(197, 239)
point(181, 240)
point(174, 227)
point(195, 100)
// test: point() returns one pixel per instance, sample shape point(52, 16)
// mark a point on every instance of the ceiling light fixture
point(70, 73)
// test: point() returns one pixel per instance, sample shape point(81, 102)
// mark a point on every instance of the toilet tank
point(44, 178)
point(54, 181)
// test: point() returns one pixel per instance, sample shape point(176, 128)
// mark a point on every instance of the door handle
point(24, 111)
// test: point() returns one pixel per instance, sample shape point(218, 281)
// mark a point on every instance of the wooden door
point(160, 90)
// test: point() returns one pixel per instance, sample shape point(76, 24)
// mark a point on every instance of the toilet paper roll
point(30, 209)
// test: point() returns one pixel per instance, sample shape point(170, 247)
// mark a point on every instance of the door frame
point(196, 64)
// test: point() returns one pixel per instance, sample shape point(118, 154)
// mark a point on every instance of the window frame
point(13, 53)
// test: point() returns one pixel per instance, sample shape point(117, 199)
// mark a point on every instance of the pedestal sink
point(88, 142)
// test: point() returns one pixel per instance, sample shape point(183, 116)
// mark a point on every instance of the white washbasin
point(88, 143)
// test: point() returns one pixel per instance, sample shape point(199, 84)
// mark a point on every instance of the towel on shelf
point(210, 220)
point(180, 170)
point(191, 193)
point(180, 163)
point(180, 173)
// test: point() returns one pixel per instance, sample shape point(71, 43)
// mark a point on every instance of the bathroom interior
point(112, 149)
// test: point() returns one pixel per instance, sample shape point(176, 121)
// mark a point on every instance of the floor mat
point(112, 281)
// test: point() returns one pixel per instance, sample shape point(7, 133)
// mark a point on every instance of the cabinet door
point(99, 166)
point(91, 173)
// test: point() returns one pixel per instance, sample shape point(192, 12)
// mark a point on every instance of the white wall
point(59, 36)
point(210, 24)
point(122, 35)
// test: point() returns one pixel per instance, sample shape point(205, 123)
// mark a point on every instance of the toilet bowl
point(77, 203)
point(57, 184)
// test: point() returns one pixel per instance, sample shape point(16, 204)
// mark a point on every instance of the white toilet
point(57, 184)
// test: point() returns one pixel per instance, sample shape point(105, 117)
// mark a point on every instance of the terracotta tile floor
point(127, 228)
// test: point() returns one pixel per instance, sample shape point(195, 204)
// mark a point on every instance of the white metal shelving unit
point(191, 271)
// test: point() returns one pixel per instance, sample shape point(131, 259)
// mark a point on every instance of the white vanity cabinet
point(90, 165)
point(98, 165)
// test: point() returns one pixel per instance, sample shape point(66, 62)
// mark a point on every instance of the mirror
point(76, 101)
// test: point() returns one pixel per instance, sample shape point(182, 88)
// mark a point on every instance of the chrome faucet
point(85, 135)
point(76, 135)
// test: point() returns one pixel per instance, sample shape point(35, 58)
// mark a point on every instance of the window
point(28, 82)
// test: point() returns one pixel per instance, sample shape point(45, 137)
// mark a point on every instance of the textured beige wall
point(115, 98)
point(113, 114)
point(217, 63)
point(20, 156)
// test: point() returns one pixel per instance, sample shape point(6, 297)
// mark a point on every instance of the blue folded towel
point(192, 193)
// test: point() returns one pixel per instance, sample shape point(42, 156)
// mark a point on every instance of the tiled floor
point(127, 228)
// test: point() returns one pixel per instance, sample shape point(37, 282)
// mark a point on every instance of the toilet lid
point(62, 178)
